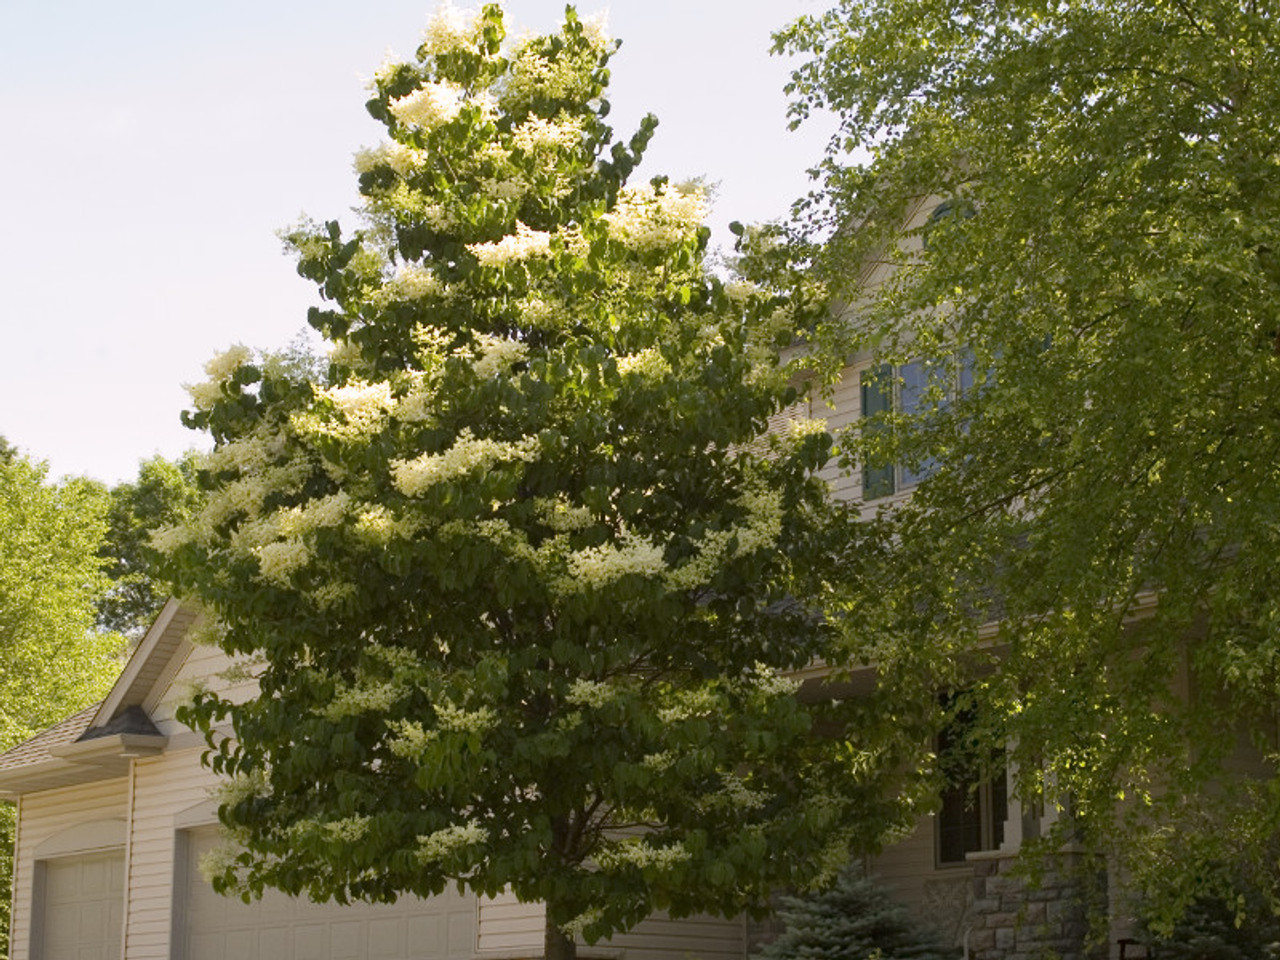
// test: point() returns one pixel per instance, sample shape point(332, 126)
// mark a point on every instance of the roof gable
point(99, 740)
point(151, 662)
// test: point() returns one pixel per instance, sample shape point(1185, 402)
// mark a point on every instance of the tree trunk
point(556, 946)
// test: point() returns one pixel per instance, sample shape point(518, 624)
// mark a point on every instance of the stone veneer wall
point(1014, 918)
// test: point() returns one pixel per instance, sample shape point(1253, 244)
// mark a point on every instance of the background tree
point(52, 660)
point(520, 575)
point(1107, 486)
point(163, 494)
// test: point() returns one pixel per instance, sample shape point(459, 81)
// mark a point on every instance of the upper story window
point(902, 388)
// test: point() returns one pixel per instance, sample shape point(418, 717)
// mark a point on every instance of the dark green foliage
point(164, 494)
point(855, 919)
point(1214, 929)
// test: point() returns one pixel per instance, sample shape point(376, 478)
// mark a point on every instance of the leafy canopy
point(521, 577)
point(1108, 488)
point(163, 494)
point(52, 661)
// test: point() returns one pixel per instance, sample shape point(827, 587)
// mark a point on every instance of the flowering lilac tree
point(521, 578)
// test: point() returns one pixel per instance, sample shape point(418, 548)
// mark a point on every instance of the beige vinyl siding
point(45, 815)
point(509, 928)
point(937, 895)
point(200, 665)
point(693, 938)
point(841, 410)
point(164, 787)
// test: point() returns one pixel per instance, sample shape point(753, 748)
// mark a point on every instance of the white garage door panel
point(283, 928)
point(83, 906)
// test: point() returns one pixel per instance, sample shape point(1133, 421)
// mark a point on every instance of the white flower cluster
point(734, 794)
point(168, 539)
point(533, 75)
point(205, 393)
point(247, 494)
point(352, 701)
point(659, 762)
point(538, 134)
point(460, 720)
point(760, 530)
point(400, 157)
point(468, 453)
point(740, 291)
point(769, 683)
point(578, 924)
point(220, 859)
point(801, 427)
point(345, 353)
point(430, 106)
point(443, 843)
point(364, 406)
point(219, 368)
point(432, 343)
point(537, 312)
point(248, 454)
point(449, 29)
point(608, 563)
point(646, 220)
point(328, 511)
point(376, 524)
point(561, 516)
point(637, 852)
point(687, 704)
point(497, 355)
point(386, 207)
point(410, 283)
point(565, 78)
point(242, 786)
point(590, 693)
point(648, 364)
point(410, 738)
point(347, 830)
point(279, 560)
point(511, 187)
point(224, 364)
point(596, 31)
point(521, 245)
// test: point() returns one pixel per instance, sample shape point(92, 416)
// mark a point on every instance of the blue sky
point(152, 148)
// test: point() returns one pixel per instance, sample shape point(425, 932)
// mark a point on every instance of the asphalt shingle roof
point(36, 749)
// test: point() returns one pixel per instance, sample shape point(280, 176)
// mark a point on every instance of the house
point(114, 811)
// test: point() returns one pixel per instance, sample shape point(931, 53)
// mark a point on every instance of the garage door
point(83, 905)
point(283, 928)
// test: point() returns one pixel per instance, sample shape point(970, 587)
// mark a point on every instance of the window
point(887, 388)
point(975, 801)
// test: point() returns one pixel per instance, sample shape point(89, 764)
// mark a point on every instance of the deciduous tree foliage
point(1108, 487)
point(521, 578)
point(163, 494)
point(52, 661)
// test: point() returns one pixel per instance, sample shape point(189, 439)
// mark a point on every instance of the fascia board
point(126, 690)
